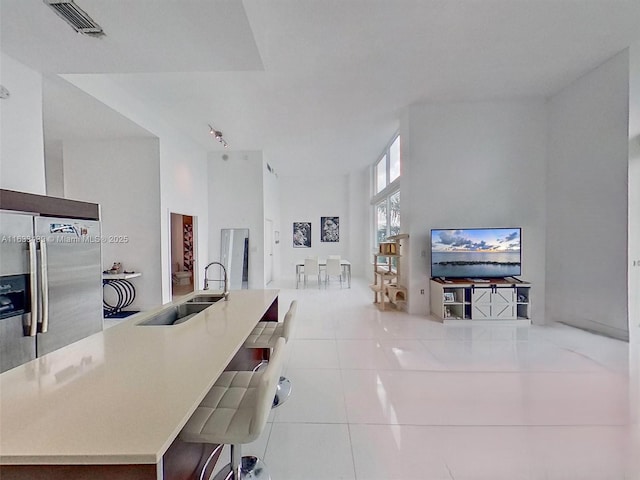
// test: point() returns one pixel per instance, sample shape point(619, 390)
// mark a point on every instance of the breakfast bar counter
point(120, 397)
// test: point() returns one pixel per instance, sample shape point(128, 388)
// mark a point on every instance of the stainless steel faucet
point(225, 292)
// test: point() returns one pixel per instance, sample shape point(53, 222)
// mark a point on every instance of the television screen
point(476, 253)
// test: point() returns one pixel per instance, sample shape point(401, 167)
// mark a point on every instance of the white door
point(268, 251)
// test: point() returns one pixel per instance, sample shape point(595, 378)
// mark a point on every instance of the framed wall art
point(330, 229)
point(302, 234)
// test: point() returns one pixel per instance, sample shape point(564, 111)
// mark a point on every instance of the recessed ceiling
point(319, 85)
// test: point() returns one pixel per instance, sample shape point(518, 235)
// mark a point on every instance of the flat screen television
point(476, 252)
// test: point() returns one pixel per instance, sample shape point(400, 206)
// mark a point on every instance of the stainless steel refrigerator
point(50, 284)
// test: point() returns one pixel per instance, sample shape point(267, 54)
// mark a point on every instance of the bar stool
point(235, 412)
point(265, 335)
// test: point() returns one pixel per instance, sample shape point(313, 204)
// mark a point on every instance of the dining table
point(322, 262)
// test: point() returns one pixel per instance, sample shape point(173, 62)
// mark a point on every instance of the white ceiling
point(318, 85)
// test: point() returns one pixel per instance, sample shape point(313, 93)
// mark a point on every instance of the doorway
point(182, 254)
point(268, 251)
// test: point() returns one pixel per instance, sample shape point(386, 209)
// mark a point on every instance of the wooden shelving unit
point(386, 287)
point(505, 301)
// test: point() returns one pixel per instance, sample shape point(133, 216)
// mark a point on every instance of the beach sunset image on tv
point(477, 253)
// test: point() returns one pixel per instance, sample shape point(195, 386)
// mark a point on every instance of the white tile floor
point(386, 395)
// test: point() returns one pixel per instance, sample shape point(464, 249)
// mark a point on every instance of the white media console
point(460, 300)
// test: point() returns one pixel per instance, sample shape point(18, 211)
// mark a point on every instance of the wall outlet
point(422, 291)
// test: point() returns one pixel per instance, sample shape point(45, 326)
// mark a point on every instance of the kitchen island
point(111, 405)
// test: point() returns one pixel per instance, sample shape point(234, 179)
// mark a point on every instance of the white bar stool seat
point(266, 335)
point(235, 412)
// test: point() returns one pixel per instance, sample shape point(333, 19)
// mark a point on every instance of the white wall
point(474, 165)
point(272, 212)
point(183, 167)
point(54, 168)
point(634, 239)
point(236, 200)
point(587, 201)
point(183, 190)
point(123, 177)
point(634, 192)
point(306, 199)
point(417, 303)
point(21, 139)
point(359, 240)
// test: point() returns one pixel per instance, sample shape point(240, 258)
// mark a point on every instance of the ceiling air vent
point(79, 20)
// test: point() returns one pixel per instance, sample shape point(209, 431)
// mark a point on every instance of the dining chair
point(299, 273)
point(311, 268)
point(333, 268)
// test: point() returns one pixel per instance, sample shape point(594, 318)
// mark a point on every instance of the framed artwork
point(330, 229)
point(302, 234)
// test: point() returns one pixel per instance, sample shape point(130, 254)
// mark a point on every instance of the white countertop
point(121, 395)
point(120, 276)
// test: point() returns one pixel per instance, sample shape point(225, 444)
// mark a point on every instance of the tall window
point(381, 174)
point(386, 198)
point(388, 217)
point(394, 160)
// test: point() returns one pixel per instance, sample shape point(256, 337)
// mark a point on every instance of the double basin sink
point(177, 314)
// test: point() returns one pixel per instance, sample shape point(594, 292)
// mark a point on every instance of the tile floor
point(387, 395)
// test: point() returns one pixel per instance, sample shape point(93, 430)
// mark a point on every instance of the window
point(394, 214)
point(386, 199)
point(382, 221)
point(394, 160)
point(381, 174)
point(388, 217)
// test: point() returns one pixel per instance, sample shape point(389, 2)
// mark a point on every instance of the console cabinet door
point(503, 304)
point(481, 303)
point(493, 303)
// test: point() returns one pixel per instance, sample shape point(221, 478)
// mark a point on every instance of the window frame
point(385, 194)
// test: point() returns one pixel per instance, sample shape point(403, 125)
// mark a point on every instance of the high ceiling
point(318, 85)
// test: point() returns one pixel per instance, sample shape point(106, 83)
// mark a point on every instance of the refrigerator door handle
point(33, 287)
point(44, 284)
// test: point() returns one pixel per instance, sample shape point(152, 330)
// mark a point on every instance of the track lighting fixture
point(217, 134)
